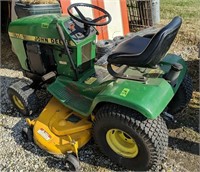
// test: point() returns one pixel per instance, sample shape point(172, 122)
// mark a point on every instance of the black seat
point(146, 52)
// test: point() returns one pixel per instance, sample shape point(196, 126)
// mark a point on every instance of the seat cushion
point(130, 48)
point(133, 46)
point(143, 51)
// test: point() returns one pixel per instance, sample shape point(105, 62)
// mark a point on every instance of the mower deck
point(59, 130)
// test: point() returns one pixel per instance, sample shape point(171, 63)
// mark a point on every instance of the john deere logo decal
point(124, 92)
point(36, 38)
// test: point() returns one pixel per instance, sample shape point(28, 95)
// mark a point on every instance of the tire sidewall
point(142, 160)
point(11, 93)
point(182, 96)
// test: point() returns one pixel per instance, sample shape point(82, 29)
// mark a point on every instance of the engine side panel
point(42, 29)
point(37, 28)
point(19, 50)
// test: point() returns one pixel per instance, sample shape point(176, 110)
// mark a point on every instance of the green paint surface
point(149, 98)
point(124, 92)
point(42, 29)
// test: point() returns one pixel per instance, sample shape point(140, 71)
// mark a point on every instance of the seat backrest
point(161, 42)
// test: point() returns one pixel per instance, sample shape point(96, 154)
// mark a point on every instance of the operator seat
point(144, 51)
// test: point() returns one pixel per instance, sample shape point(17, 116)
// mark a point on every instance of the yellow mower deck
point(59, 130)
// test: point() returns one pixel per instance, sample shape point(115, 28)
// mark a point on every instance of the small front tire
point(23, 98)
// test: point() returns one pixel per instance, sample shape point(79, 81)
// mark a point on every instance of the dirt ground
point(184, 140)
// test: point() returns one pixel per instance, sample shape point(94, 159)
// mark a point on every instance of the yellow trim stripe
point(36, 38)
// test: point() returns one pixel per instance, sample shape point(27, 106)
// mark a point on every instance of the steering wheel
point(85, 20)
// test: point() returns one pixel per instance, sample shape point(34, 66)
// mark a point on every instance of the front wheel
point(130, 139)
point(23, 98)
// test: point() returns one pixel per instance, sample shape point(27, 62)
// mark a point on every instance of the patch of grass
point(188, 9)
point(39, 1)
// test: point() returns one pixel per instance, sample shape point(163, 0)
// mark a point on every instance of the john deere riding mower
point(122, 105)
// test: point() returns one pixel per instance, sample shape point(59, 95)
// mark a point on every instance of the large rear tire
point(23, 98)
point(182, 96)
point(129, 139)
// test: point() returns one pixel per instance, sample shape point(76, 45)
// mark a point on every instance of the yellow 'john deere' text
point(36, 38)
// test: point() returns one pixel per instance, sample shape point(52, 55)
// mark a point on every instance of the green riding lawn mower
point(122, 106)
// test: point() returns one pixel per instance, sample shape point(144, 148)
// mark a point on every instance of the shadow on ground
point(184, 145)
point(89, 154)
point(193, 69)
point(6, 106)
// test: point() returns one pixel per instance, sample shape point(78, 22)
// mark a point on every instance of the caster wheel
point(73, 163)
point(27, 134)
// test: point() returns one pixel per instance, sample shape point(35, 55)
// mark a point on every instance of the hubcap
point(121, 143)
point(18, 102)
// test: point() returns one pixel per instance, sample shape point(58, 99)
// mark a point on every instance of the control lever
point(86, 30)
point(60, 31)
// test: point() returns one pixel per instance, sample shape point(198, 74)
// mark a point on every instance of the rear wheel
point(23, 98)
point(129, 139)
point(182, 96)
point(122, 143)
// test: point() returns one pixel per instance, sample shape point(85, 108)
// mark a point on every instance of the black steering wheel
point(85, 20)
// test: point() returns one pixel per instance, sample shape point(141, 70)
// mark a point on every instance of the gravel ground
point(17, 155)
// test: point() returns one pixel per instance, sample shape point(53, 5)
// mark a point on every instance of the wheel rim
point(18, 102)
point(121, 143)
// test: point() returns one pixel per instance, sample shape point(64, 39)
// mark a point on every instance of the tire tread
point(154, 132)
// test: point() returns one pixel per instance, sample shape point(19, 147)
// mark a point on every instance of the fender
point(150, 99)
